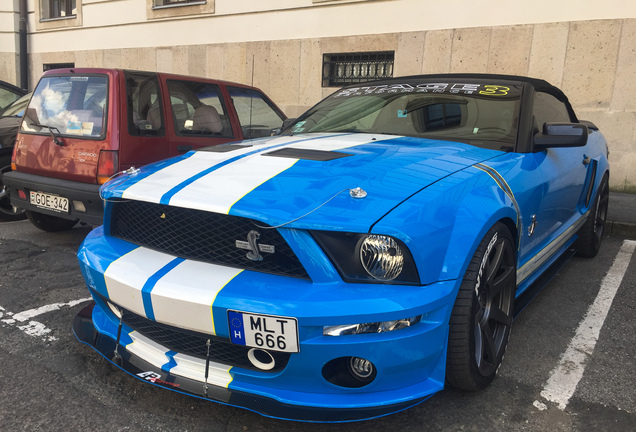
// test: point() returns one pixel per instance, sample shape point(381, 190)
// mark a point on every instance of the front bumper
point(195, 297)
point(86, 193)
point(138, 367)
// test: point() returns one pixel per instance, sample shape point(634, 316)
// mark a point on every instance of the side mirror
point(561, 135)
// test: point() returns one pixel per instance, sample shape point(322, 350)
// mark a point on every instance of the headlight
point(381, 257)
point(369, 257)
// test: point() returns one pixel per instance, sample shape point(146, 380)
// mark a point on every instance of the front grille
point(202, 236)
point(194, 344)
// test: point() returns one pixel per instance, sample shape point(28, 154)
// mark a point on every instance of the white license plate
point(48, 201)
point(269, 332)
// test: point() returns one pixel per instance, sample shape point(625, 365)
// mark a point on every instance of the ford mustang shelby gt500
point(347, 268)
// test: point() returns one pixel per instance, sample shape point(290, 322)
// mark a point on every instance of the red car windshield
point(72, 105)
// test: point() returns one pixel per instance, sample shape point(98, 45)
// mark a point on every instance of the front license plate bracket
point(267, 332)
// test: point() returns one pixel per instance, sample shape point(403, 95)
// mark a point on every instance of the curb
point(621, 229)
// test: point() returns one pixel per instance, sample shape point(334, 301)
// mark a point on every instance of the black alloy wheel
point(50, 223)
point(481, 319)
point(591, 233)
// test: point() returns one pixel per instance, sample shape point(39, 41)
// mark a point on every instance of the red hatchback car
point(83, 126)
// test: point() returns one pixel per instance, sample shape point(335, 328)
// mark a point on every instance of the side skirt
point(540, 282)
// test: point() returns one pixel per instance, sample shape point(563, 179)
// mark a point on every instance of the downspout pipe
point(24, 61)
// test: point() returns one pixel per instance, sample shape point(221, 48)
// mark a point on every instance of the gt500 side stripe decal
point(501, 182)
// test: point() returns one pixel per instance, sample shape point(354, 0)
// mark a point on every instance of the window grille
point(49, 66)
point(177, 2)
point(58, 9)
point(347, 68)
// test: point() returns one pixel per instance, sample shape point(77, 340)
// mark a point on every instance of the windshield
point(482, 115)
point(74, 105)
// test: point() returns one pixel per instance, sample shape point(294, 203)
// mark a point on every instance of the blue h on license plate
point(268, 332)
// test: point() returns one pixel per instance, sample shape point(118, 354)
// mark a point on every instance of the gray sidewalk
point(621, 215)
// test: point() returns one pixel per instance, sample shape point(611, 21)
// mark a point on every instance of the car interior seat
point(206, 119)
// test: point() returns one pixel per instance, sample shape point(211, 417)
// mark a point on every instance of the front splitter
point(86, 332)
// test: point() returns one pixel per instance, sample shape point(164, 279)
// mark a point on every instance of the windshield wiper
point(56, 140)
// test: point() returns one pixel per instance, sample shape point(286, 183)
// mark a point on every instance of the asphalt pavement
point(621, 215)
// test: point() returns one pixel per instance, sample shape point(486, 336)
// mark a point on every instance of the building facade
point(299, 51)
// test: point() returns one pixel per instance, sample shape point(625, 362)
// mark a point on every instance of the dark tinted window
point(442, 116)
point(145, 113)
point(483, 115)
point(197, 109)
point(7, 97)
point(257, 116)
point(16, 109)
point(547, 108)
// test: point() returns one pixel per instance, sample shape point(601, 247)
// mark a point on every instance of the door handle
point(184, 148)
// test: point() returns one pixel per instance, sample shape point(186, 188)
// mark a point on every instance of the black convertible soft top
point(538, 84)
point(531, 85)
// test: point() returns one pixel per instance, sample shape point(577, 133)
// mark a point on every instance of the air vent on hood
point(314, 155)
point(223, 148)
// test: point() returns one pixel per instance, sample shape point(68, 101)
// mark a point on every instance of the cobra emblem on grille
point(254, 247)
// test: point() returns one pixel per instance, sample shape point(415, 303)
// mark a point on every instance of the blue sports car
point(375, 250)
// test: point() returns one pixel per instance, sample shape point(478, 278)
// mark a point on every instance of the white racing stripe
point(565, 377)
point(153, 187)
point(125, 277)
point(194, 368)
point(185, 295)
point(186, 366)
point(219, 190)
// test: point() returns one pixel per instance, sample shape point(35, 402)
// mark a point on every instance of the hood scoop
point(305, 154)
point(224, 148)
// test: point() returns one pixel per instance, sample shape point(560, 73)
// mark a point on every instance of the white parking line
point(565, 377)
point(36, 328)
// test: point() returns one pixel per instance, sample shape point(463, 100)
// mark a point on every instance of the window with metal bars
point(52, 9)
point(50, 66)
point(176, 2)
point(348, 68)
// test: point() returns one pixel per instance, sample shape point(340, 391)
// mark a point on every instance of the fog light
point(79, 206)
point(349, 372)
point(21, 194)
point(361, 368)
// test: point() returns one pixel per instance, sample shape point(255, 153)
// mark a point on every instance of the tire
point(591, 233)
point(50, 223)
point(481, 318)
point(8, 213)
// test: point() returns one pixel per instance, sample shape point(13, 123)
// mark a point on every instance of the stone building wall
point(594, 62)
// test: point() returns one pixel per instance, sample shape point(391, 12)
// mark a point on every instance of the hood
point(302, 181)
